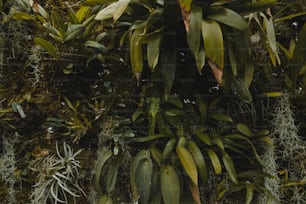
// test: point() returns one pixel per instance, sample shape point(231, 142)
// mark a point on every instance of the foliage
point(192, 127)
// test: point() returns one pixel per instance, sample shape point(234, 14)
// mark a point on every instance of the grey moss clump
point(58, 177)
point(8, 165)
point(288, 153)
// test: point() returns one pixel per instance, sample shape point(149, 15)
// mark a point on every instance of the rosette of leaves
point(186, 146)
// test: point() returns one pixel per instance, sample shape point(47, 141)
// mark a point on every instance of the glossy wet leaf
point(49, 47)
point(213, 42)
point(188, 163)
point(170, 185)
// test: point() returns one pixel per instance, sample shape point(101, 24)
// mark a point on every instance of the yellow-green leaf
point(188, 163)
point(213, 42)
point(170, 185)
point(168, 148)
point(105, 199)
point(221, 117)
point(136, 56)
point(49, 47)
point(82, 13)
point(244, 129)
point(249, 194)
point(215, 161)
point(199, 161)
point(153, 52)
point(229, 166)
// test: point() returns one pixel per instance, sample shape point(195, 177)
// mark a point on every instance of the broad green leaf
point(228, 17)
point(114, 10)
point(170, 185)
point(229, 166)
point(155, 195)
point(82, 13)
point(112, 173)
point(136, 55)
point(241, 89)
point(213, 42)
point(153, 50)
point(105, 199)
point(105, 154)
point(188, 163)
point(194, 33)
point(244, 129)
point(221, 117)
point(199, 161)
point(50, 48)
point(143, 179)
point(214, 161)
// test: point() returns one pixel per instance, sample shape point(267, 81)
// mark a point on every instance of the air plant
point(58, 177)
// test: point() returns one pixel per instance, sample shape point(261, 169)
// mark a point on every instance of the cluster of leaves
point(182, 143)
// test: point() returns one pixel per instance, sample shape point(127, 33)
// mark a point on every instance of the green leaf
point(155, 195)
point(249, 194)
point(168, 149)
point(214, 161)
point(221, 117)
point(105, 199)
point(95, 44)
point(143, 179)
point(213, 42)
point(57, 21)
point(188, 163)
point(199, 161)
point(194, 33)
point(82, 13)
point(153, 50)
point(247, 8)
point(23, 16)
point(156, 154)
point(241, 89)
point(229, 166)
point(204, 137)
point(96, 2)
point(136, 56)
point(104, 156)
point(227, 17)
point(200, 60)
point(244, 129)
point(112, 173)
point(170, 185)
point(50, 48)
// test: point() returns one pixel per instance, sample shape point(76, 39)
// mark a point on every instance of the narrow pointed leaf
point(105, 155)
point(136, 55)
point(221, 117)
point(188, 163)
point(249, 194)
point(50, 48)
point(199, 161)
point(229, 166)
point(214, 161)
point(112, 173)
point(153, 51)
